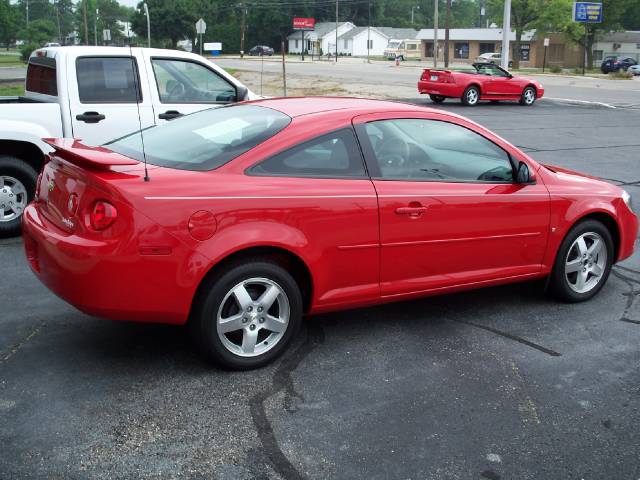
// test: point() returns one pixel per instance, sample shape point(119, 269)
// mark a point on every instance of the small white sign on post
point(213, 46)
point(201, 27)
point(546, 42)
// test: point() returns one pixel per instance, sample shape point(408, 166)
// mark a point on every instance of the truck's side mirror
point(241, 93)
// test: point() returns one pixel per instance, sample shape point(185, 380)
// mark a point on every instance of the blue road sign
point(587, 12)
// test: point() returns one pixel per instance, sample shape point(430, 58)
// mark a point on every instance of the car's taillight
point(102, 215)
point(425, 75)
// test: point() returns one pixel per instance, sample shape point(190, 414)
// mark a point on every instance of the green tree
point(9, 23)
point(39, 32)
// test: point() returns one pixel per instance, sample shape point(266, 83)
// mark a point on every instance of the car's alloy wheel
point(471, 96)
point(247, 314)
point(17, 187)
point(253, 317)
point(528, 96)
point(583, 262)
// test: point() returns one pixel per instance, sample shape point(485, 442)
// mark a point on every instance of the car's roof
point(297, 106)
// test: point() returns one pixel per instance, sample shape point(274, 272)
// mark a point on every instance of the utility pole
point(242, 28)
point(336, 31)
point(86, 24)
point(146, 12)
point(506, 30)
point(416, 7)
point(447, 17)
point(95, 28)
point(369, 31)
point(58, 20)
point(435, 34)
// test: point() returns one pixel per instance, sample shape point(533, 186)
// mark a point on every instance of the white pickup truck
point(97, 94)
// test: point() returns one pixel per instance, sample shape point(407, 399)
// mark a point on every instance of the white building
point(354, 42)
point(619, 44)
point(321, 40)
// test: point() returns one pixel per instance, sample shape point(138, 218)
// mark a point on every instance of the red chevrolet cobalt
point(250, 216)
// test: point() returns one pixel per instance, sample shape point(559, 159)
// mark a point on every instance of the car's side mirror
point(524, 175)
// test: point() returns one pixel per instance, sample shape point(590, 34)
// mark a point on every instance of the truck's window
point(41, 76)
point(107, 80)
point(181, 81)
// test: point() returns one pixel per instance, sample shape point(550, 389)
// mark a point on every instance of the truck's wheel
point(17, 187)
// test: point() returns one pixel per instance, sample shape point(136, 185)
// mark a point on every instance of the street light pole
point(95, 28)
point(146, 12)
point(336, 31)
point(506, 31)
point(447, 17)
point(435, 34)
point(369, 31)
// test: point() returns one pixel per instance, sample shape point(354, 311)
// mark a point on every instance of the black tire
point(204, 316)
point(558, 283)
point(470, 102)
point(19, 170)
point(528, 97)
point(437, 98)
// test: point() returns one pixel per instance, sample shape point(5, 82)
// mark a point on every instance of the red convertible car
point(487, 82)
point(250, 216)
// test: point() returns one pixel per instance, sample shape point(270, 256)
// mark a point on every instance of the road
point(386, 78)
point(12, 73)
point(501, 383)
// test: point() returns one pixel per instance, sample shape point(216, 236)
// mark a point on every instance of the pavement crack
point(510, 336)
point(282, 380)
point(5, 356)
point(631, 295)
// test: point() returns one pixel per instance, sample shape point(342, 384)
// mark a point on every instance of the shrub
point(25, 51)
point(555, 69)
point(620, 75)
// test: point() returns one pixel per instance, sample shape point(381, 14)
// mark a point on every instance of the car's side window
point(432, 150)
point(334, 155)
point(107, 80)
point(181, 81)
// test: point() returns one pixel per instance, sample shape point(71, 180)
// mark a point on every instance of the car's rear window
point(203, 140)
point(41, 76)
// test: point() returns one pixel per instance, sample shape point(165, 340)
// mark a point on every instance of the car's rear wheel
point(471, 96)
point(528, 96)
point(437, 98)
point(248, 315)
point(583, 262)
point(17, 188)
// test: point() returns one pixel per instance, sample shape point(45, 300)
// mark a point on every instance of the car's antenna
point(137, 87)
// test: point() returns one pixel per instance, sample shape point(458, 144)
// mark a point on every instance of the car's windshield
point(203, 140)
point(490, 69)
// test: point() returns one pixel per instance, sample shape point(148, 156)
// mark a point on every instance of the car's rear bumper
point(109, 278)
point(440, 88)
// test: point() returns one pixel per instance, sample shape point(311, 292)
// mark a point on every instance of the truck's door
point(106, 97)
point(183, 85)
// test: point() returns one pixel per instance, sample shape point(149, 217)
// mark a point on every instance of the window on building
point(370, 44)
point(461, 50)
point(412, 46)
point(524, 52)
point(296, 43)
point(428, 49)
point(487, 48)
point(346, 43)
point(597, 55)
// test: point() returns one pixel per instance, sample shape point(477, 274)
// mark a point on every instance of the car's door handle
point(170, 115)
point(90, 117)
point(411, 211)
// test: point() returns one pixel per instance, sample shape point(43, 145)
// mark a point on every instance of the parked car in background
point(262, 212)
point(634, 69)
point(494, 58)
point(613, 64)
point(92, 93)
point(487, 82)
point(51, 44)
point(261, 50)
point(403, 49)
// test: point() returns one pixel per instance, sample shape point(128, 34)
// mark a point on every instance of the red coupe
point(251, 216)
point(487, 82)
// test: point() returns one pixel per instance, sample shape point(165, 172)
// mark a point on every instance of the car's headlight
point(626, 197)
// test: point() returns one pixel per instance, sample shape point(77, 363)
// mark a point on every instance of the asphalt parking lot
point(500, 383)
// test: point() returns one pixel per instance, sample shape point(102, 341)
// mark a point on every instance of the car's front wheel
point(437, 98)
point(471, 96)
point(583, 262)
point(528, 96)
point(248, 315)
point(17, 188)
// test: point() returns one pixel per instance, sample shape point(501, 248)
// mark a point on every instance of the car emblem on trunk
point(51, 185)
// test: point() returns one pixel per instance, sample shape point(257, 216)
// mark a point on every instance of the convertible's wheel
point(248, 316)
point(528, 97)
point(471, 96)
point(583, 262)
point(17, 187)
point(437, 98)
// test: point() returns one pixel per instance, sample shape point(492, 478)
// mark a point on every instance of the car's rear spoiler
point(96, 158)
